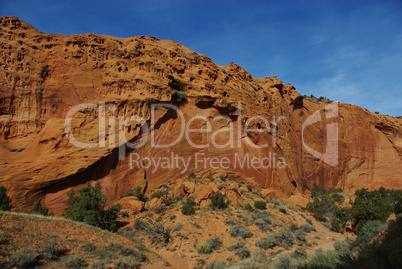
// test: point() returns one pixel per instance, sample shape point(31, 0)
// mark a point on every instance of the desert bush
point(140, 225)
point(89, 207)
point(383, 252)
point(285, 238)
point(260, 204)
point(243, 252)
point(88, 247)
point(178, 226)
point(267, 242)
point(159, 209)
point(300, 253)
point(158, 233)
point(294, 227)
point(196, 225)
point(218, 201)
point(4, 199)
point(97, 265)
point(230, 222)
point(369, 231)
point(26, 258)
point(125, 251)
point(239, 231)
point(285, 261)
point(263, 225)
point(39, 209)
point(75, 262)
point(172, 217)
point(300, 236)
point(321, 259)
point(236, 245)
point(158, 194)
point(209, 246)
point(283, 209)
point(51, 249)
point(308, 228)
point(188, 207)
point(180, 96)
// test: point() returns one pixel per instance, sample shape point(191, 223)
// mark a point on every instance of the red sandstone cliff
point(43, 76)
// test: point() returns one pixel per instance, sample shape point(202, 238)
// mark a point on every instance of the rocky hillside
point(43, 76)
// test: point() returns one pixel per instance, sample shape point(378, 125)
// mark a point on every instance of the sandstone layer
point(43, 76)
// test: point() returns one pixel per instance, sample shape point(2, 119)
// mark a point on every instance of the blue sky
point(350, 51)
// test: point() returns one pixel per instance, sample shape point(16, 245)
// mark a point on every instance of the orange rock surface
point(43, 76)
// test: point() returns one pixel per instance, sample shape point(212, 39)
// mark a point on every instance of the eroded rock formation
point(43, 76)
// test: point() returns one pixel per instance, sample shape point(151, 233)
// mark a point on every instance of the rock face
point(44, 76)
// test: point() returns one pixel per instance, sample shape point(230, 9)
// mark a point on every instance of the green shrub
point(369, 231)
point(236, 246)
point(180, 96)
point(317, 191)
point(239, 231)
point(4, 199)
point(300, 253)
point(209, 246)
point(383, 252)
point(375, 205)
point(308, 228)
point(300, 236)
point(26, 258)
point(267, 242)
point(39, 209)
point(260, 204)
point(243, 252)
point(158, 194)
point(20, 149)
point(188, 207)
point(263, 225)
point(321, 259)
point(218, 201)
point(51, 249)
point(75, 262)
point(285, 238)
point(88, 207)
point(285, 261)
